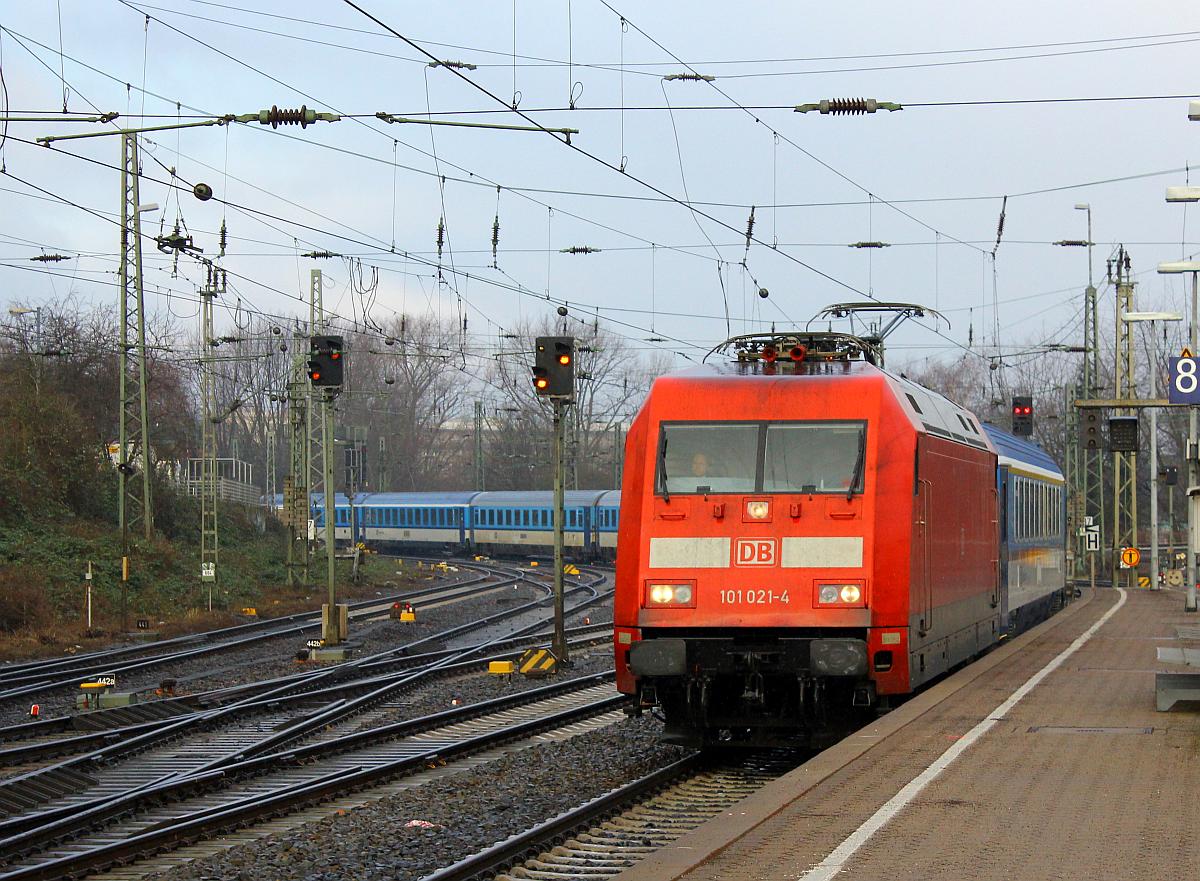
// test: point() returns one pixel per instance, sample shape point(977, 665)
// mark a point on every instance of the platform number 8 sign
point(1184, 386)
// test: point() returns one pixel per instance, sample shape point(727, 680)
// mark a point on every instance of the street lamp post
point(36, 311)
point(1152, 317)
point(1193, 471)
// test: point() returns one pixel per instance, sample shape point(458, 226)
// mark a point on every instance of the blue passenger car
point(607, 512)
point(493, 522)
point(1033, 530)
point(522, 520)
point(415, 519)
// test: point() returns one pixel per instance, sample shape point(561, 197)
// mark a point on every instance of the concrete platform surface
point(1026, 764)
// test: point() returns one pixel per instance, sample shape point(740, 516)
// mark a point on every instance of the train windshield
point(761, 457)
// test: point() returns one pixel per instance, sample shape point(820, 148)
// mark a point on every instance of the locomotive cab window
point(761, 457)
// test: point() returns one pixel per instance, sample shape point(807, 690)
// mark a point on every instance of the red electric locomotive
point(801, 534)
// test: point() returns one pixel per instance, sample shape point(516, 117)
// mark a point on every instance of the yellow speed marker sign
point(1130, 557)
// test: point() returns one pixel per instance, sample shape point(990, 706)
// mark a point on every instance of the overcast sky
point(926, 180)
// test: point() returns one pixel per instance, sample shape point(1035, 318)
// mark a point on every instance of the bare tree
point(611, 383)
point(405, 398)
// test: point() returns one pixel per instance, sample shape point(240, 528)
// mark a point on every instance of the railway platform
point(1045, 759)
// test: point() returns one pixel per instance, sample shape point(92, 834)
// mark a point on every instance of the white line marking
point(836, 861)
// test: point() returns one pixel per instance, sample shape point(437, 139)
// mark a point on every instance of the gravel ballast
point(273, 657)
point(469, 811)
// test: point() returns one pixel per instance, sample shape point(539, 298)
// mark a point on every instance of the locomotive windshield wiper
point(858, 465)
point(662, 466)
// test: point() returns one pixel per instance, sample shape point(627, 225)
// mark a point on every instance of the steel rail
point(72, 774)
point(210, 821)
point(499, 857)
point(23, 787)
point(580, 638)
point(60, 674)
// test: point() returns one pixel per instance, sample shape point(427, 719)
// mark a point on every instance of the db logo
point(755, 552)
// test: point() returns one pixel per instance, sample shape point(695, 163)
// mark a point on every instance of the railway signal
point(1022, 419)
point(326, 361)
point(554, 378)
point(1090, 437)
point(554, 367)
point(1123, 434)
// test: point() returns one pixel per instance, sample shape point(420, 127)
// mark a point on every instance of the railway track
point(613, 832)
point(41, 677)
point(313, 699)
point(166, 812)
point(58, 737)
point(429, 598)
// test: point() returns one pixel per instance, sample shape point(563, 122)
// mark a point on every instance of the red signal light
point(564, 359)
point(541, 382)
point(314, 375)
point(335, 355)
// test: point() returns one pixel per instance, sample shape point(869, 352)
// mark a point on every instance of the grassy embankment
point(42, 594)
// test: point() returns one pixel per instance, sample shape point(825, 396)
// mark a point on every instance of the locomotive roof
point(938, 414)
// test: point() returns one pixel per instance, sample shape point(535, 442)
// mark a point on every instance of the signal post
point(554, 377)
point(326, 366)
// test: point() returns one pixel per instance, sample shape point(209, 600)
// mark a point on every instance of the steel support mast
point(296, 499)
point(1077, 496)
point(135, 502)
point(560, 636)
point(209, 540)
point(1092, 461)
point(1193, 468)
point(479, 477)
point(1124, 533)
point(316, 401)
point(333, 634)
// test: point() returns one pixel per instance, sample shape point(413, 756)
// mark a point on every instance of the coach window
point(1019, 507)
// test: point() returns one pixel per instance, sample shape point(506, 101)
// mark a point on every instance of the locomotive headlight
point(758, 509)
point(660, 593)
point(680, 594)
point(840, 595)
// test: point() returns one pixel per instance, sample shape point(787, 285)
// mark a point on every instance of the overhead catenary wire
point(786, 139)
point(477, 180)
point(537, 61)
